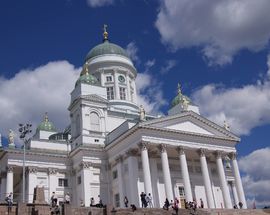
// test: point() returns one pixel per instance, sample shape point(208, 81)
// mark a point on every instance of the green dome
point(87, 79)
point(106, 48)
point(180, 98)
point(46, 125)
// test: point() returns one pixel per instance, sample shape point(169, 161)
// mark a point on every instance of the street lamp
point(24, 130)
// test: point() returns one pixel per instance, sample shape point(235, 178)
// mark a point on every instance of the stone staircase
point(159, 211)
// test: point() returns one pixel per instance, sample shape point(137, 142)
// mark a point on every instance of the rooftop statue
point(11, 136)
point(142, 113)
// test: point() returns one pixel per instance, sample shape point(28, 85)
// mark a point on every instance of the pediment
point(190, 122)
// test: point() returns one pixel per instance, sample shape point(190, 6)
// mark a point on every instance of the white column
point(155, 182)
point(166, 173)
point(32, 183)
point(223, 181)
point(9, 187)
point(120, 180)
point(146, 169)
point(133, 175)
point(238, 181)
point(116, 86)
point(86, 177)
point(185, 174)
point(234, 191)
point(52, 179)
point(206, 180)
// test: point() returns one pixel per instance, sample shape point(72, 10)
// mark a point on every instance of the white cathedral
point(113, 149)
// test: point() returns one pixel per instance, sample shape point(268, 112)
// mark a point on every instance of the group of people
point(98, 205)
point(146, 200)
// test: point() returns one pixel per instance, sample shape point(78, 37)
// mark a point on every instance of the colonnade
point(238, 193)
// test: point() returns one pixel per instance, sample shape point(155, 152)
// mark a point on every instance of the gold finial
point(85, 69)
point(46, 119)
point(179, 89)
point(105, 33)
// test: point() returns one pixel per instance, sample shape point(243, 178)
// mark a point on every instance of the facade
point(113, 149)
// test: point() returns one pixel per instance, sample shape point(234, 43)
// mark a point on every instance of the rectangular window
point(114, 174)
point(122, 93)
point(109, 78)
point(181, 191)
point(110, 93)
point(79, 180)
point(117, 200)
point(62, 182)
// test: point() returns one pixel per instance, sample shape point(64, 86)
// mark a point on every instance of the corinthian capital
point(143, 145)
point(233, 155)
point(180, 150)
point(202, 152)
point(10, 168)
point(162, 148)
point(32, 169)
point(218, 154)
point(85, 165)
point(52, 171)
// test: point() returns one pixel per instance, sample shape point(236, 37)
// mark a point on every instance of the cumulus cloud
point(220, 28)
point(99, 3)
point(149, 64)
point(132, 51)
point(244, 108)
point(169, 64)
point(32, 92)
point(256, 178)
point(150, 94)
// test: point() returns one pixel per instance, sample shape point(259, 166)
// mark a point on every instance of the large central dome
point(106, 48)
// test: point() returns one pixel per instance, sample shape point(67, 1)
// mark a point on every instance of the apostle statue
point(226, 125)
point(185, 104)
point(142, 113)
point(11, 136)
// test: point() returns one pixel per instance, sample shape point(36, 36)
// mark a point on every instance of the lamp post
point(24, 130)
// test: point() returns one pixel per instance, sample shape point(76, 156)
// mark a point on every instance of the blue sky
point(218, 51)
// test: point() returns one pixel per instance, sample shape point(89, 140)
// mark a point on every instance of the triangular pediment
point(190, 122)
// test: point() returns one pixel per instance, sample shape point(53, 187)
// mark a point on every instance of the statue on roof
point(185, 104)
point(142, 113)
point(226, 125)
point(11, 136)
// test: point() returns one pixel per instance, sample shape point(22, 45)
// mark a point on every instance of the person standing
point(126, 201)
point(202, 204)
point(67, 198)
point(175, 205)
point(54, 199)
point(149, 200)
point(9, 201)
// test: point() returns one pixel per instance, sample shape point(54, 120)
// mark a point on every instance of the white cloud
point(32, 92)
point(169, 64)
point(132, 51)
point(150, 94)
point(244, 108)
point(257, 177)
point(149, 64)
point(99, 3)
point(220, 28)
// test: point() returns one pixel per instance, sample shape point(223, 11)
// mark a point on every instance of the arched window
point(94, 122)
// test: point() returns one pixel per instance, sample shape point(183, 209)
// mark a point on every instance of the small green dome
point(46, 125)
point(180, 98)
point(87, 79)
point(106, 48)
